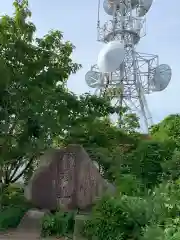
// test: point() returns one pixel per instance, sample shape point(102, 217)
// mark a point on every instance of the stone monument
point(66, 178)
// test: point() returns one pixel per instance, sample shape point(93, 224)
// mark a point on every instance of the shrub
point(58, 224)
point(13, 196)
point(122, 218)
point(166, 201)
point(13, 207)
point(10, 217)
point(128, 184)
point(153, 233)
point(171, 231)
point(146, 162)
point(171, 166)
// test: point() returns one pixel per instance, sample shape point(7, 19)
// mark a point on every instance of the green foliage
point(129, 185)
point(129, 122)
point(58, 224)
point(97, 133)
point(171, 232)
point(13, 207)
point(153, 232)
point(37, 109)
point(146, 160)
point(171, 166)
point(169, 128)
point(118, 218)
point(154, 216)
point(166, 202)
point(11, 216)
point(30, 98)
point(100, 138)
point(138, 163)
point(165, 221)
point(13, 196)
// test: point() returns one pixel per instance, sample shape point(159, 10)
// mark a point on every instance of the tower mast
point(138, 74)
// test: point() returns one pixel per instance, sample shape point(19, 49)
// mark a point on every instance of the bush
point(122, 218)
point(58, 224)
point(166, 202)
point(13, 207)
point(146, 162)
point(171, 231)
point(10, 217)
point(13, 196)
point(171, 167)
point(128, 184)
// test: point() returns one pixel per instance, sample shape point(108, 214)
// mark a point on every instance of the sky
point(78, 21)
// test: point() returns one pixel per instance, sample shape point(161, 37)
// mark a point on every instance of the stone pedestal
point(79, 224)
point(31, 221)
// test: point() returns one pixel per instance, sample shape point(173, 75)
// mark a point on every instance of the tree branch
point(6, 178)
point(22, 172)
point(14, 172)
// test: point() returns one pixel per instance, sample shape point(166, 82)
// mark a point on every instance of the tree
point(171, 167)
point(102, 140)
point(129, 122)
point(169, 129)
point(36, 107)
point(145, 161)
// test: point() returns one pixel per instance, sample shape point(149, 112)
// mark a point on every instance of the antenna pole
point(98, 18)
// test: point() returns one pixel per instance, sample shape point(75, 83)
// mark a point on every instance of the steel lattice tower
point(133, 79)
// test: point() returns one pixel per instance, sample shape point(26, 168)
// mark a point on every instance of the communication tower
point(121, 73)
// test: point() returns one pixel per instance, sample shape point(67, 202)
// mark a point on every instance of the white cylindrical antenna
point(111, 56)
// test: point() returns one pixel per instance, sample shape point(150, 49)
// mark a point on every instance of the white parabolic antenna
point(92, 79)
point(111, 56)
point(162, 77)
point(109, 5)
point(144, 7)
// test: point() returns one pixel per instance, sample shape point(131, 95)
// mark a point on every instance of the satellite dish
point(162, 77)
point(109, 5)
point(92, 79)
point(144, 7)
point(111, 57)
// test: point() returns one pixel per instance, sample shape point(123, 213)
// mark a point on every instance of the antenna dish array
point(92, 79)
point(162, 77)
point(122, 73)
point(110, 6)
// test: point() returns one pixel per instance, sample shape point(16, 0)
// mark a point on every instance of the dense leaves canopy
point(169, 128)
point(35, 105)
